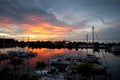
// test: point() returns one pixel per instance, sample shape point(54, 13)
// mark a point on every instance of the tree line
point(53, 44)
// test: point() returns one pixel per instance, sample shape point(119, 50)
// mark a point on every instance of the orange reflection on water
point(44, 54)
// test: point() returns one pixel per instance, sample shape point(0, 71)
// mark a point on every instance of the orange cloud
point(44, 29)
point(38, 27)
point(47, 28)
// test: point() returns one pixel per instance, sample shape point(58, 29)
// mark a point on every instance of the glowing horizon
point(58, 20)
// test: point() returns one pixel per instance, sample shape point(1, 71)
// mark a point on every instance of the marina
point(72, 58)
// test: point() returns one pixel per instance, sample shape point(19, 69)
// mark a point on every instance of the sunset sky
point(59, 19)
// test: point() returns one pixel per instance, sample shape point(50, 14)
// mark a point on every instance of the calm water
point(109, 59)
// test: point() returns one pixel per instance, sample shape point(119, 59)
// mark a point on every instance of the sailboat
point(97, 68)
point(91, 58)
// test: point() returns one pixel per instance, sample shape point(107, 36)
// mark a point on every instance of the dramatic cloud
point(59, 19)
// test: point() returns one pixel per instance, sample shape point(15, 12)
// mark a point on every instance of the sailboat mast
point(87, 42)
point(93, 39)
point(93, 36)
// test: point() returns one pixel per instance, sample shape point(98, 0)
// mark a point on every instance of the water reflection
point(45, 54)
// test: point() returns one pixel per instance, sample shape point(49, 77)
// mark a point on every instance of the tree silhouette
point(84, 68)
point(15, 62)
point(40, 65)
